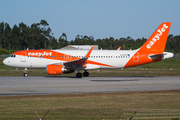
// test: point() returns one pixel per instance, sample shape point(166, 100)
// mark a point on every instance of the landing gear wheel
point(86, 74)
point(79, 75)
point(25, 74)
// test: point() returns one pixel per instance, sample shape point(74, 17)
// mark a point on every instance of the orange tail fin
point(155, 45)
point(157, 41)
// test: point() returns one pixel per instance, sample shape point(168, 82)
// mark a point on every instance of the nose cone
point(5, 61)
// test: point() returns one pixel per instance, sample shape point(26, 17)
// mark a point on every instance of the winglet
point(88, 54)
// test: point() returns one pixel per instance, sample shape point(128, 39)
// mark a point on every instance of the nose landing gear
point(25, 72)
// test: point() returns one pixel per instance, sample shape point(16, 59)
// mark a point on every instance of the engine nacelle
point(57, 69)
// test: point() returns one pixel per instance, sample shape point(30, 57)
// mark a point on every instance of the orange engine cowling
point(57, 69)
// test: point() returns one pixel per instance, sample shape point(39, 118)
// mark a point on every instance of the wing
point(79, 62)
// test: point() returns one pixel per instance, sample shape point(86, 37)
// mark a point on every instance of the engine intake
point(57, 69)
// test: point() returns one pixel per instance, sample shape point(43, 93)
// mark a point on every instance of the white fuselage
point(111, 58)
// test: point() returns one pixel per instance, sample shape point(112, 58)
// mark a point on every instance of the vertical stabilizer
point(154, 46)
point(157, 41)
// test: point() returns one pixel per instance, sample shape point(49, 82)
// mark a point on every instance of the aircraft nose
point(5, 61)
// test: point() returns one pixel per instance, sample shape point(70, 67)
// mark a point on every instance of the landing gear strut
point(25, 72)
point(79, 75)
point(86, 74)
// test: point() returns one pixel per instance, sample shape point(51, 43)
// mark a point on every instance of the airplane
point(67, 61)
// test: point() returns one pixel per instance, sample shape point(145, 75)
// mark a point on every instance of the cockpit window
point(13, 56)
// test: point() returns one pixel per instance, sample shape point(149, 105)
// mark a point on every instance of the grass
point(165, 64)
point(92, 106)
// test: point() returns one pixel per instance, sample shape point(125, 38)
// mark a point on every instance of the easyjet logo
point(157, 36)
point(40, 53)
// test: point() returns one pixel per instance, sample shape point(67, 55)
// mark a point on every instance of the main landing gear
point(85, 74)
point(79, 75)
point(25, 72)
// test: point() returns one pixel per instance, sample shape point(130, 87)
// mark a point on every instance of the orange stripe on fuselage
point(49, 54)
point(46, 54)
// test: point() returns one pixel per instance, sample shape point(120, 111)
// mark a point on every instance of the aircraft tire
point(79, 75)
point(86, 74)
point(25, 74)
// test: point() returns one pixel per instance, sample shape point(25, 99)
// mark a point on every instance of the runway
point(12, 85)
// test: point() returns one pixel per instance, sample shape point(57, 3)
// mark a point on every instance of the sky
point(97, 18)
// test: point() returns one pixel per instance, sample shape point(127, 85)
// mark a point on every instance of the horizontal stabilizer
point(164, 55)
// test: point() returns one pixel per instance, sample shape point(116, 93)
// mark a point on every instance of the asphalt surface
point(12, 85)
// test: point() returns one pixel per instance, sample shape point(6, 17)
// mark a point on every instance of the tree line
point(39, 36)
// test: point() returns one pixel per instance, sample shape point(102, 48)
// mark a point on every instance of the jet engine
point(57, 69)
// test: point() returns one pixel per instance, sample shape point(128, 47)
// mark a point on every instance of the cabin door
point(136, 57)
point(23, 57)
